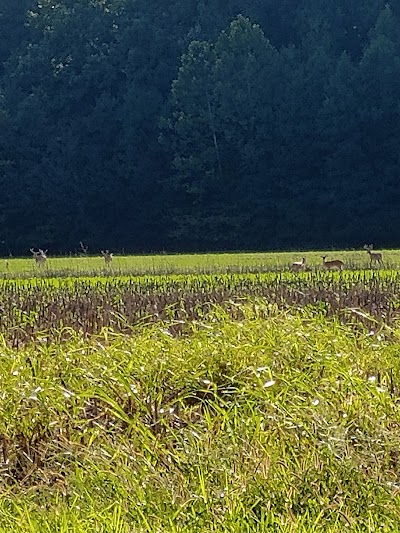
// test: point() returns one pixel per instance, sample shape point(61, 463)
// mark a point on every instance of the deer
point(299, 265)
point(40, 257)
point(373, 256)
point(333, 264)
point(108, 257)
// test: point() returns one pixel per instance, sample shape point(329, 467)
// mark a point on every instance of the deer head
point(108, 256)
point(40, 256)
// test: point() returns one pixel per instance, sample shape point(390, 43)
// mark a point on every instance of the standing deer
point(299, 265)
point(333, 264)
point(108, 257)
point(373, 256)
point(40, 257)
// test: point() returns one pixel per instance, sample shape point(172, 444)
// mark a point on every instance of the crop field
point(207, 393)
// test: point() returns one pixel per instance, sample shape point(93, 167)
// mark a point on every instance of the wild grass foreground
point(286, 423)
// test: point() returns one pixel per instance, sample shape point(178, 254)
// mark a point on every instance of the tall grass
point(276, 420)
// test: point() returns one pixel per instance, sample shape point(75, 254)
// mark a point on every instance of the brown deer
point(299, 265)
point(108, 257)
point(40, 257)
point(374, 257)
point(333, 264)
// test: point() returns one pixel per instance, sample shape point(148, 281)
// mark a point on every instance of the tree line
point(195, 125)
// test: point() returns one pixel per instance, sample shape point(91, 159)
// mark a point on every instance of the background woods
point(198, 125)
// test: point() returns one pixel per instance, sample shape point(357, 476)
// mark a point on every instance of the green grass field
point(212, 393)
point(202, 263)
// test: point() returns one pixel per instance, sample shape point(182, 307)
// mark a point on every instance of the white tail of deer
point(374, 257)
point(333, 264)
point(40, 256)
point(108, 257)
point(299, 265)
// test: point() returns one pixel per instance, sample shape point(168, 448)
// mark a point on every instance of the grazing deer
point(373, 256)
point(108, 257)
point(299, 265)
point(333, 264)
point(40, 257)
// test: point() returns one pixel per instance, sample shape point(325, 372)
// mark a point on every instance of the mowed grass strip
point(285, 423)
point(162, 264)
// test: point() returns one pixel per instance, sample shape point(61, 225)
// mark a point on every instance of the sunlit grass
point(199, 393)
point(55, 307)
point(196, 263)
point(278, 420)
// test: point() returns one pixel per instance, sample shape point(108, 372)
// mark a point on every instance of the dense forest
point(190, 125)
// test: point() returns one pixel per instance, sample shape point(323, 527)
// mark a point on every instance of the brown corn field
point(45, 306)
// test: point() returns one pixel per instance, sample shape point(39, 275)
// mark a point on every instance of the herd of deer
point(338, 264)
point(40, 257)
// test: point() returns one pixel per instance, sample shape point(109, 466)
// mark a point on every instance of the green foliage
point(224, 100)
point(220, 401)
point(288, 422)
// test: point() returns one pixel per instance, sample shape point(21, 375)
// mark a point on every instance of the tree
point(360, 127)
point(262, 145)
point(378, 80)
point(220, 127)
point(14, 29)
